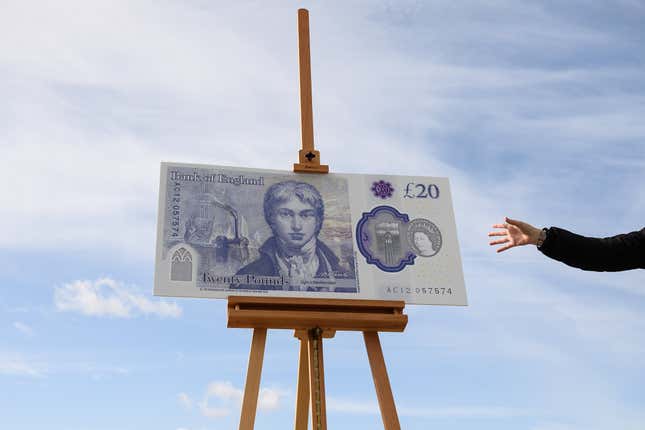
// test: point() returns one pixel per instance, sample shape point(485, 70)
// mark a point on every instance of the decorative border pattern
point(362, 238)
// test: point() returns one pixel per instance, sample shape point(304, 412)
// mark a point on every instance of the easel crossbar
point(306, 302)
point(303, 314)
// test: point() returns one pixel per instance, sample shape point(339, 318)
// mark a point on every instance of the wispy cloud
point(185, 401)
point(18, 364)
point(352, 406)
point(14, 365)
point(465, 412)
point(102, 373)
point(23, 328)
point(487, 103)
point(106, 297)
point(555, 426)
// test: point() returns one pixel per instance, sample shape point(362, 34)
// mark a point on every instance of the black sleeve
point(609, 254)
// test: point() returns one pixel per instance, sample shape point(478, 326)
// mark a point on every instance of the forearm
point(610, 254)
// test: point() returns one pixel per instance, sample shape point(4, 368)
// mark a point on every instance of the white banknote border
point(457, 298)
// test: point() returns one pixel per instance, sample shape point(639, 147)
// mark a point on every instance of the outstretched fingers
point(504, 248)
point(497, 233)
point(508, 231)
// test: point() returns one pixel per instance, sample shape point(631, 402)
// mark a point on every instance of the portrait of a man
point(295, 212)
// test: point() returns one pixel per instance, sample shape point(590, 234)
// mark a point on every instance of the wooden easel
point(314, 319)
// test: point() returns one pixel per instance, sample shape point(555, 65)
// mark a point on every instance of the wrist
point(534, 235)
point(541, 237)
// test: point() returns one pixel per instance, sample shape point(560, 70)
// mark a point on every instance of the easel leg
point(253, 374)
point(381, 381)
point(302, 390)
point(317, 380)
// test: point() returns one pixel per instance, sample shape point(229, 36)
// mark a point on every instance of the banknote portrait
point(295, 212)
point(422, 244)
point(424, 237)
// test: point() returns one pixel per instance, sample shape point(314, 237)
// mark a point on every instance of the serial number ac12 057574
point(409, 291)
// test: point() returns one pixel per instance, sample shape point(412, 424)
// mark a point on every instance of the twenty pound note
point(229, 230)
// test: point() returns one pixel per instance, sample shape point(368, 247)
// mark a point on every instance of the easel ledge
point(307, 313)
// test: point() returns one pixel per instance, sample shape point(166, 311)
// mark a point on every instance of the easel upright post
point(308, 157)
point(303, 396)
point(253, 375)
point(317, 380)
point(381, 381)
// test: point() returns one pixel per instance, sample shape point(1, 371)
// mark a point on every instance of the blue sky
point(532, 109)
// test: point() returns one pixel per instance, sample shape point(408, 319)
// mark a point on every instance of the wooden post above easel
point(308, 157)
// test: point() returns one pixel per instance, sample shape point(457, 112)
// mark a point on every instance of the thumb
point(514, 222)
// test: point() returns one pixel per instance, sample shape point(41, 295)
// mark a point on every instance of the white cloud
point(23, 328)
point(269, 399)
point(228, 397)
point(222, 398)
point(107, 297)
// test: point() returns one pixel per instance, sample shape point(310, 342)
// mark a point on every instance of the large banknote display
point(229, 230)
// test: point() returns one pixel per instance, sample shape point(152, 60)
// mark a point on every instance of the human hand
point(515, 233)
